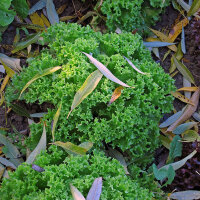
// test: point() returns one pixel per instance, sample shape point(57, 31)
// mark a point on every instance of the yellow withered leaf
point(39, 75)
point(188, 112)
point(164, 38)
point(188, 89)
point(55, 120)
point(178, 55)
point(151, 39)
point(88, 86)
point(174, 74)
point(5, 81)
point(45, 20)
point(116, 94)
point(9, 71)
point(177, 29)
point(181, 97)
point(61, 9)
point(71, 148)
point(36, 19)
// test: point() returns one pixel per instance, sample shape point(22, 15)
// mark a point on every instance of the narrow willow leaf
point(51, 12)
point(157, 44)
point(38, 115)
point(86, 145)
point(186, 195)
point(45, 20)
point(95, 190)
point(88, 86)
point(2, 170)
point(105, 71)
point(71, 148)
point(187, 83)
point(38, 6)
point(166, 54)
point(37, 168)
point(181, 97)
point(12, 151)
point(174, 74)
point(155, 50)
point(5, 82)
point(7, 163)
point(36, 19)
point(188, 89)
point(175, 148)
point(171, 119)
point(133, 66)
point(117, 155)
point(20, 110)
point(183, 127)
point(28, 41)
point(164, 38)
point(184, 5)
point(55, 120)
point(194, 7)
point(13, 63)
point(61, 9)
point(196, 116)
point(180, 163)
point(188, 112)
point(41, 146)
point(76, 193)
point(116, 94)
point(178, 55)
point(9, 71)
point(183, 41)
point(184, 70)
point(2, 69)
point(39, 75)
point(177, 29)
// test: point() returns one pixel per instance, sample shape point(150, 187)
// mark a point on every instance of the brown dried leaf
point(181, 97)
point(36, 19)
point(188, 111)
point(61, 9)
point(177, 29)
point(116, 94)
point(188, 89)
point(164, 38)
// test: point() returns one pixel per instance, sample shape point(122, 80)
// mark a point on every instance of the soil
point(188, 177)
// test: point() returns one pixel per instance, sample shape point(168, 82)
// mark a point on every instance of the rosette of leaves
point(54, 182)
point(130, 123)
point(132, 14)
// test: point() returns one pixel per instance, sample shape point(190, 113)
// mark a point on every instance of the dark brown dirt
point(187, 177)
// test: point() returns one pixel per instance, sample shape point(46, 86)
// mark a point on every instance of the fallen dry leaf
point(190, 109)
